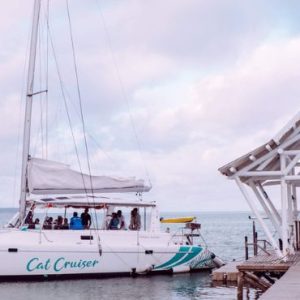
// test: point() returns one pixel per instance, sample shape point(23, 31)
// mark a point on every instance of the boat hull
point(78, 254)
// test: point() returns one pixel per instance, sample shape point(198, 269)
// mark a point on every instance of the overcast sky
point(192, 84)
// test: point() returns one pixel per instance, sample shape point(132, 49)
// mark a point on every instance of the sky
point(171, 90)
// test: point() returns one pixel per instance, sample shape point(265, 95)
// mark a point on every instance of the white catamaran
point(45, 249)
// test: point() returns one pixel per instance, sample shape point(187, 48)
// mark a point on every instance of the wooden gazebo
point(275, 163)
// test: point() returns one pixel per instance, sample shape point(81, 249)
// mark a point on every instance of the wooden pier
point(226, 274)
point(287, 287)
point(276, 278)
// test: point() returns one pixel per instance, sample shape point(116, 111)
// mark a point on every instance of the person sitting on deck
point(86, 219)
point(65, 224)
point(37, 224)
point(135, 221)
point(58, 222)
point(29, 218)
point(48, 223)
point(114, 222)
point(75, 222)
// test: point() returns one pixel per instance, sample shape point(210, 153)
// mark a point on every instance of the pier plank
point(227, 273)
point(287, 287)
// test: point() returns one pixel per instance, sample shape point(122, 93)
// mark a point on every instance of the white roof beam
point(265, 163)
point(267, 156)
point(261, 173)
point(292, 164)
point(291, 152)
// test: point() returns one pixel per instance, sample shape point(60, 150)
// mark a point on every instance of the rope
point(123, 92)
point(65, 103)
point(82, 121)
point(47, 78)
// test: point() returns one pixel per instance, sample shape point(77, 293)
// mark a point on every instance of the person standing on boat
point(86, 219)
point(135, 221)
point(121, 220)
point(75, 222)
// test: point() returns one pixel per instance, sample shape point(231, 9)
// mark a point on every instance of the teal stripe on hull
point(183, 251)
point(185, 254)
point(194, 252)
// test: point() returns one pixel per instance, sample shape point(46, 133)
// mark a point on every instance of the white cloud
point(206, 82)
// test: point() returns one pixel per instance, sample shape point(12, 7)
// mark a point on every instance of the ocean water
point(224, 234)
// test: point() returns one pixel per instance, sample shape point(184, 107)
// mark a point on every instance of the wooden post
point(255, 244)
point(253, 236)
point(280, 244)
point(256, 282)
point(240, 286)
point(246, 248)
point(297, 237)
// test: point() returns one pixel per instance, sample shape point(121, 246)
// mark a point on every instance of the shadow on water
point(180, 286)
point(175, 287)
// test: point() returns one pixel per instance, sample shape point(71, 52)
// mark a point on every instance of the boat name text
point(59, 264)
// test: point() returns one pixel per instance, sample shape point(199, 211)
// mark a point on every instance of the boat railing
point(187, 235)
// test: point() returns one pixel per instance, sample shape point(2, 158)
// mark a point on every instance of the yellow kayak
point(177, 220)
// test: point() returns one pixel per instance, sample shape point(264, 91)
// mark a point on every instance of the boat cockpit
point(89, 212)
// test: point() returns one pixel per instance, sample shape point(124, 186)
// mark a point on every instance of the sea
point(223, 232)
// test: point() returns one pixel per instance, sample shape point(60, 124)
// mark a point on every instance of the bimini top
point(266, 157)
point(52, 178)
point(88, 201)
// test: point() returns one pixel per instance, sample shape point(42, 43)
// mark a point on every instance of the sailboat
point(43, 249)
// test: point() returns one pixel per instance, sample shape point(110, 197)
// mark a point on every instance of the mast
point(28, 107)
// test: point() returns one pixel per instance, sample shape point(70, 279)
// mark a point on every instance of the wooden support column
point(295, 204)
point(258, 216)
point(240, 286)
point(271, 205)
point(268, 212)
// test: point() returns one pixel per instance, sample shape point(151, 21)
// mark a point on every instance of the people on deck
point(58, 222)
point(135, 220)
point(48, 223)
point(75, 222)
point(86, 219)
point(107, 221)
point(29, 218)
point(65, 224)
point(37, 224)
point(114, 222)
point(121, 220)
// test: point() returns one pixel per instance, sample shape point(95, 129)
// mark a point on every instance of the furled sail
point(48, 177)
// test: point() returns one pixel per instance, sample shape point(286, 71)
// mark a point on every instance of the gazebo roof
point(266, 157)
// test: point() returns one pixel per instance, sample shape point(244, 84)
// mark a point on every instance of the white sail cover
point(48, 177)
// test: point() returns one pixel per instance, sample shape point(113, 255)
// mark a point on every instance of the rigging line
point(80, 106)
point(83, 122)
point(83, 125)
point(123, 92)
point(66, 106)
point(101, 148)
